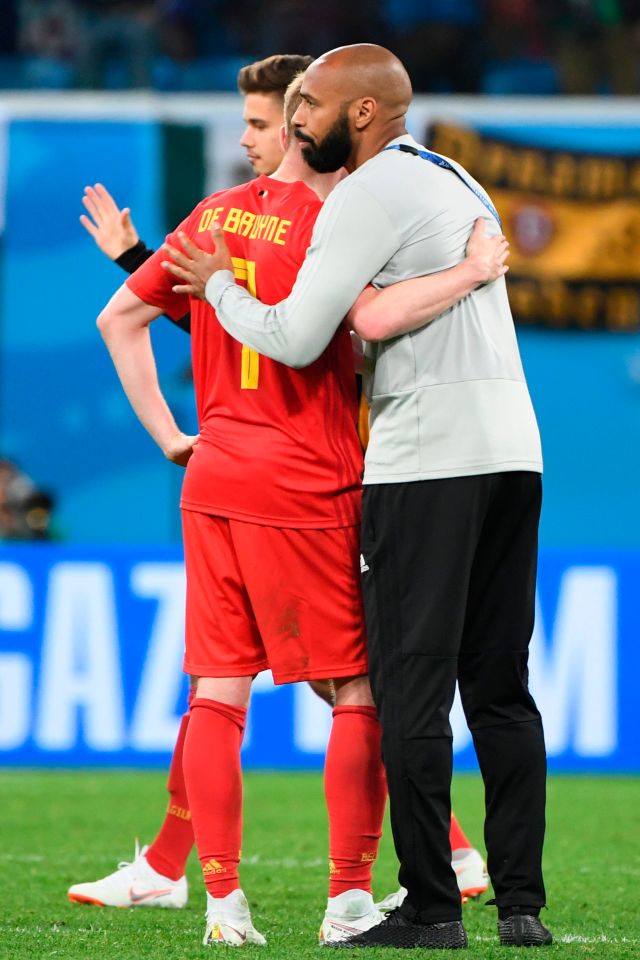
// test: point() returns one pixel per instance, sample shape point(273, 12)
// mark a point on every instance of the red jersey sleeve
point(153, 284)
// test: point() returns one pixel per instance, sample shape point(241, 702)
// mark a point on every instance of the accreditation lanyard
point(442, 162)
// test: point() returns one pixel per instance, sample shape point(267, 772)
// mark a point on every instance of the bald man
point(452, 486)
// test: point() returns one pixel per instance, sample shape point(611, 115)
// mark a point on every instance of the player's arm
point(115, 235)
point(352, 240)
point(410, 304)
point(124, 325)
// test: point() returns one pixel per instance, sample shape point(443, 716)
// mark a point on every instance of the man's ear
point(364, 110)
point(284, 139)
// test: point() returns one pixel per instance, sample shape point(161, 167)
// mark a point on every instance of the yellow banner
point(573, 222)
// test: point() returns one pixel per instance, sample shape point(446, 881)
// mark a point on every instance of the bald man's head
point(366, 70)
point(352, 97)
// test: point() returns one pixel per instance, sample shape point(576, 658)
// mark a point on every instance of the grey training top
point(447, 400)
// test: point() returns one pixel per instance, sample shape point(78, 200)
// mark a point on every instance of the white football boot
point(134, 884)
point(348, 914)
point(392, 901)
point(471, 874)
point(229, 922)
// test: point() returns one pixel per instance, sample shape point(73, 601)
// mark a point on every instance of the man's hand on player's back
point(402, 307)
point(487, 255)
point(111, 228)
point(194, 266)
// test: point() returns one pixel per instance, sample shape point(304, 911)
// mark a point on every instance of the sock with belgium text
point(457, 836)
point(169, 852)
point(356, 791)
point(214, 785)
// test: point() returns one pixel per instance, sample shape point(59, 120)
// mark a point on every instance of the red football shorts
point(261, 598)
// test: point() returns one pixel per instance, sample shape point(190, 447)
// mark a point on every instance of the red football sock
point(214, 784)
point(356, 791)
point(457, 837)
point(169, 852)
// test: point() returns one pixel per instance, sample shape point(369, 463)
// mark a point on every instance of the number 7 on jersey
point(250, 369)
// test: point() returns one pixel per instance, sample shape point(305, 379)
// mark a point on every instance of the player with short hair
point(273, 478)
point(157, 873)
point(263, 85)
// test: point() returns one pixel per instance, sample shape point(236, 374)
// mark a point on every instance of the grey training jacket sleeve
point(352, 240)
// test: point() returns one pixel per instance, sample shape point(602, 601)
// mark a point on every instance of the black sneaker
point(397, 931)
point(523, 930)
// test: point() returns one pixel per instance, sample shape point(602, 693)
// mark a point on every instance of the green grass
point(60, 828)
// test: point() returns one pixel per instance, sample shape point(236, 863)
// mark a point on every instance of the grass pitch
point(65, 827)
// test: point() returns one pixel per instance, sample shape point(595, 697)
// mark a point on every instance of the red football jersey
point(277, 446)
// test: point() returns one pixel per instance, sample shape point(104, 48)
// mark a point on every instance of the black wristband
point(134, 257)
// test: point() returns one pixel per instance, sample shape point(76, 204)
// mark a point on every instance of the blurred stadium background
point(539, 100)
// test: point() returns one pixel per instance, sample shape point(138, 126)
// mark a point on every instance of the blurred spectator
point(117, 42)
point(439, 41)
point(597, 45)
point(9, 32)
point(318, 27)
point(517, 30)
point(25, 511)
point(518, 48)
point(47, 29)
point(180, 30)
point(198, 28)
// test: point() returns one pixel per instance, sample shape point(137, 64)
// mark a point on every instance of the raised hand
point(487, 254)
point(193, 265)
point(110, 227)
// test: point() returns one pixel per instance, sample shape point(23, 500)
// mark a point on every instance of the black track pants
point(449, 571)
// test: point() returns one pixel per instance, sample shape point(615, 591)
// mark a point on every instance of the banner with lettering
point(573, 221)
point(91, 643)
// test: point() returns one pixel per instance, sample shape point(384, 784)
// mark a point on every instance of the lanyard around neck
point(442, 162)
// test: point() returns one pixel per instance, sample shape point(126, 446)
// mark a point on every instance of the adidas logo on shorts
point(364, 566)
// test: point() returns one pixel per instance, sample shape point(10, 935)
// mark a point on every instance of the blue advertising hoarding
point(91, 647)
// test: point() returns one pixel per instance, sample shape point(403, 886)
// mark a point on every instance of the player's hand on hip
point(487, 255)
point(111, 228)
point(179, 448)
point(193, 265)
